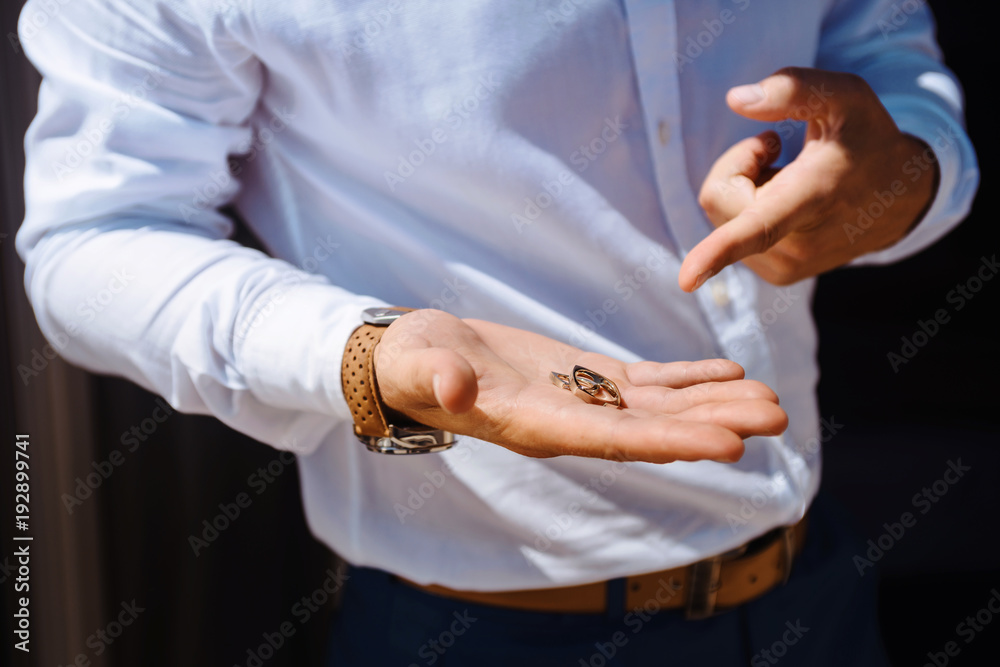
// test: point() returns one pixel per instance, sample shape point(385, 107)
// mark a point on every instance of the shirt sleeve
point(128, 265)
point(891, 44)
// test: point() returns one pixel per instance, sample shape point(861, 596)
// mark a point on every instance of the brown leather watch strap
point(380, 428)
point(357, 375)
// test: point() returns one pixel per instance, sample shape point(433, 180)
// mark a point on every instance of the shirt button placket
point(663, 131)
point(720, 292)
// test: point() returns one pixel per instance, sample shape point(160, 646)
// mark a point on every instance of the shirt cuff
point(959, 174)
point(291, 345)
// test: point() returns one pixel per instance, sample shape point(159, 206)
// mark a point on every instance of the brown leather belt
point(702, 589)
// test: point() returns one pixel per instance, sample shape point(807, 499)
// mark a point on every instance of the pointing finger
point(789, 196)
point(731, 184)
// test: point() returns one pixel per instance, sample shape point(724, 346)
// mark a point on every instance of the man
point(533, 172)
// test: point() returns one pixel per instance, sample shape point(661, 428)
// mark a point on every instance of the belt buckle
point(705, 575)
point(703, 584)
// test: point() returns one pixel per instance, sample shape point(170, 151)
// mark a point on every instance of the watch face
point(382, 317)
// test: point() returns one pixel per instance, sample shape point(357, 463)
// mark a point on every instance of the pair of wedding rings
point(589, 385)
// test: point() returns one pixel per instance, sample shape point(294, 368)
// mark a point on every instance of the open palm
point(492, 382)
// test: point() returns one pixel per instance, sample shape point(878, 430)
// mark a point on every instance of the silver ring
point(595, 388)
point(589, 386)
point(560, 380)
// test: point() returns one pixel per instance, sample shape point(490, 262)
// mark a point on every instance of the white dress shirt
point(529, 163)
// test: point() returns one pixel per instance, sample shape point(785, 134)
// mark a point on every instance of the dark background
point(130, 539)
point(901, 428)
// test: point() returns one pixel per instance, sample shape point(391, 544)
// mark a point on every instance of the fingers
point(728, 196)
point(732, 182)
point(676, 401)
point(672, 440)
point(790, 198)
point(745, 418)
point(580, 429)
point(680, 374)
point(679, 411)
point(751, 215)
point(796, 93)
point(421, 378)
point(552, 422)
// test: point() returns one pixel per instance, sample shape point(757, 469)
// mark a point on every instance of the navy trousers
point(824, 615)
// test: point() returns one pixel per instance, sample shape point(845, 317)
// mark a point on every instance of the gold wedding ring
point(589, 386)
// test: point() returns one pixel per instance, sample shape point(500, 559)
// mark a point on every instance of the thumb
point(798, 93)
point(429, 377)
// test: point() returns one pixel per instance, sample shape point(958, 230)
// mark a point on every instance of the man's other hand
point(492, 382)
point(803, 219)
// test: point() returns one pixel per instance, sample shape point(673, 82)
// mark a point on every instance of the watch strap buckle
point(400, 440)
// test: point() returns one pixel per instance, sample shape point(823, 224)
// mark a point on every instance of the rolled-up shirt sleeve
point(128, 264)
point(891, 44)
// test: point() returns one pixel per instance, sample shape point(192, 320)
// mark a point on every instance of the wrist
point(379, 427)
point(924, 176)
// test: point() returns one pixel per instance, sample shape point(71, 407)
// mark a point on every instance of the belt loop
point(616, 598)
point(787, 553)
point(703, 585)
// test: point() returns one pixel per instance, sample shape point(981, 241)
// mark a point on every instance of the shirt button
point(720, 293)
point(663, 129)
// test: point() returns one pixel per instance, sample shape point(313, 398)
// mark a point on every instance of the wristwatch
point(371, 424)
